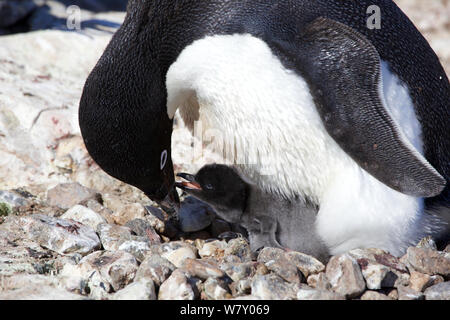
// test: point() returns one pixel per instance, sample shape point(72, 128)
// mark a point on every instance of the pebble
point(156, 268)
point(429, 261)
point(84, 215)
point(67, 195)
point(440, 291)
point(201, 269)
point(143, 289)
point(114, 237)
point(176, 252)
point(59, 235)
point(123, 211)
point(419, 281)
point(307, 264)
point(406, 293)
point(374, 295)
point(241, 287)
point(214, 289)
point(345, 276)
point(273, 287)
point(176, 287)
point(195, 215)
point(319, 281)
point(306, 293)
point(239, 271)
point(239, 247)
point(143, 228)
point(214, 249)
point(118, 268)
point(276, 261)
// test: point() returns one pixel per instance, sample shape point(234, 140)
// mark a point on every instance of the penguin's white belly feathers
point(268, 121)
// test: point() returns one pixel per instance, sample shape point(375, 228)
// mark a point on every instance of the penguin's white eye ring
point(163, 159)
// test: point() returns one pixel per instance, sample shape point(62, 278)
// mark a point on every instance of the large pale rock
point(67, 195)
point(176, 287)
point(215, 289)
point(138, 290)
point(59, 235)
point(307, 264)
point(345, 276)
point(201, 269)
point(84, 215)
point(440, 291)
point(214, 249)
point(239, 271)
point(276, 261)
point(429, 261)
point(273, 287)
point(156, 268)
point(306, 293)
point(118, 268)
point(34, 287)
point(123, 211)
point(176, 252)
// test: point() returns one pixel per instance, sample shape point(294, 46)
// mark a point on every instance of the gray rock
point(307, 264)
point(406, 293)
point(123, 210)
point(345, 276)
point(305, 293)
point(440, 291)
point(429, 261)
point(59, 235)
point(98, 287)
point(156, 268)
point(201, 269)
point(214, 289)
point(143, 289)
point(319, 281)
point(176, 252)
point(273, 287)
point(114, 237)
point(275, 260)
point(67, 195)
point(14, 199)
point(239, 271)
point(84, 215)
point(12, 12)
point(34, 287)
point(241, 288)
point(374, 295)
point(420, 281)
point(214, 249)
point(380, 269)
point(239, 247)
point(195, 215)
point(117, 268)
point(176, 287)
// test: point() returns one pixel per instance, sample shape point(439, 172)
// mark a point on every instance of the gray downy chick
point(270, 220)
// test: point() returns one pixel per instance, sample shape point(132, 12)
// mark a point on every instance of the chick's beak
point(189, 184)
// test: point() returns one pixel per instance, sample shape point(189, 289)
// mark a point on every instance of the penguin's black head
point(218, 185)
point(123, 110)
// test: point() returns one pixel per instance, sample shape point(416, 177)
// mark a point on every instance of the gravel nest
point(72, 242)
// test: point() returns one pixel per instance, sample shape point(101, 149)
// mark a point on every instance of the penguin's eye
point(209, 186)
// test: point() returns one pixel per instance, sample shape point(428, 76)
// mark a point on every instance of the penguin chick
point(270, 220)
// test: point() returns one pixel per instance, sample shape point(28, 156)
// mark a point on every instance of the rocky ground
point(69, 231)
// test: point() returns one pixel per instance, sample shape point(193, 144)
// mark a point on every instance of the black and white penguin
point(353, 119)
point(270, 220)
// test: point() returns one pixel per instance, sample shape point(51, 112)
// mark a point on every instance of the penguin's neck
point(260, 115)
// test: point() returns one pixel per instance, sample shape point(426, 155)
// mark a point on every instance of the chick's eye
point(209, 186)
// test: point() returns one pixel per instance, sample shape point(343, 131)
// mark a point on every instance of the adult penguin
point(350, 118)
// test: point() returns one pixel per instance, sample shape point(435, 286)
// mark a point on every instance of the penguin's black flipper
point(343, 70)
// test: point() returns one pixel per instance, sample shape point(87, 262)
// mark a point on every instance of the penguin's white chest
point(263, 118)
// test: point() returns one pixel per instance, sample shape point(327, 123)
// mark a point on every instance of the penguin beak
point(189, 184)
